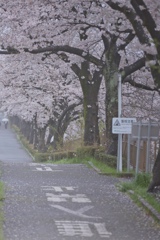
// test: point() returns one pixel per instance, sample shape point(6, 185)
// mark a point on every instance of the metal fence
point(154, 145)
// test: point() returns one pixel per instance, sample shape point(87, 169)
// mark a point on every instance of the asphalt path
point(65, 202)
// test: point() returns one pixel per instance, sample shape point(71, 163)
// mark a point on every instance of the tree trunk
point(35, 132)
point(41, 139)
point(58, 140)
point(90, 84)
point(59, 127)
point(48, 142)
point(156, 174)
point(112, 60)
point(90, 108)
point(111, 103)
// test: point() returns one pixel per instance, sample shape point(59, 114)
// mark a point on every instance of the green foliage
point(110, 160)
point(142, 180)
point(16, 129)
point(103, 167)
point(27, 145)
point(138, 188)
point(43, 157)
point(1, 191)
point(73, 160)
point(1, 211)
point(86, 151)
point(106, 158)
point(24, 141)
point(126, 186)
point(99, 154)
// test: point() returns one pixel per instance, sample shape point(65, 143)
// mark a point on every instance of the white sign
point(122, 125)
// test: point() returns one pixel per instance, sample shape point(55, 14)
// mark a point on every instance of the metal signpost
point(129, 126)
point(122, 126)
point(119, 153)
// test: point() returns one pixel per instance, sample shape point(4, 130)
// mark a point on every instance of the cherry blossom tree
point(144, 18)
point(39, 99)
point(109, 34)
point(116, 37)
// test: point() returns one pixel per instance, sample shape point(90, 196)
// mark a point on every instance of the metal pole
point(148, 146)
point(119, 156)
point(128, 152)
point(120, 152)
point(138, 147)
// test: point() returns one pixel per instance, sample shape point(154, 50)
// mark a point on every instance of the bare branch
point(140, 85)
point(126, 71)
point(71, 50)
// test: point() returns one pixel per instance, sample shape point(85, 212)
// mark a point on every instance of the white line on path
point(82, 228)
point(78, 213)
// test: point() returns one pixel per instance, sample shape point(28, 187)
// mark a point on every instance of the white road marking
point(41, 165)
point(81, 228)
point(79, 198)
point(101, 229)
point(78, 213)
point(58, 188)
point(46, 169)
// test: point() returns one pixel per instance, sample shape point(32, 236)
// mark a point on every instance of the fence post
point(128, 152)
point(148, 147)
point(144, 152)
point(138, 147)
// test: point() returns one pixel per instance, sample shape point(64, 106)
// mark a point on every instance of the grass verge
point(102, 167)
point(138, 189)
point(1, 210)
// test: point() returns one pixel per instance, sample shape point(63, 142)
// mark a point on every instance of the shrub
point(23, 140)
point(85, 151)
point(110, 160)
point(126, 186)
point(43, 157)
point(27, 145)
point(61, 155)
point(143, 180)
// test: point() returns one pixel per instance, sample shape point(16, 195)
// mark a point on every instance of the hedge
point(43, 157)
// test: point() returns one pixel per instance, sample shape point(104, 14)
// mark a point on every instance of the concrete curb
point(151, 210)
point(145, 204)
point(148, 207)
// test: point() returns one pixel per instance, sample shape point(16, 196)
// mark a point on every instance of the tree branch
point(75, 68)
point(132, 17)
point(126, 71)
point(139, 85)
point(71, 50)
point(128, 39)
point(147, 19)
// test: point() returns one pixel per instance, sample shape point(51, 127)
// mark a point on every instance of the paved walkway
point(65, 202)
point(11, 151)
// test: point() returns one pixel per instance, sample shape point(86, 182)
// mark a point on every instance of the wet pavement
point(65, 202)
